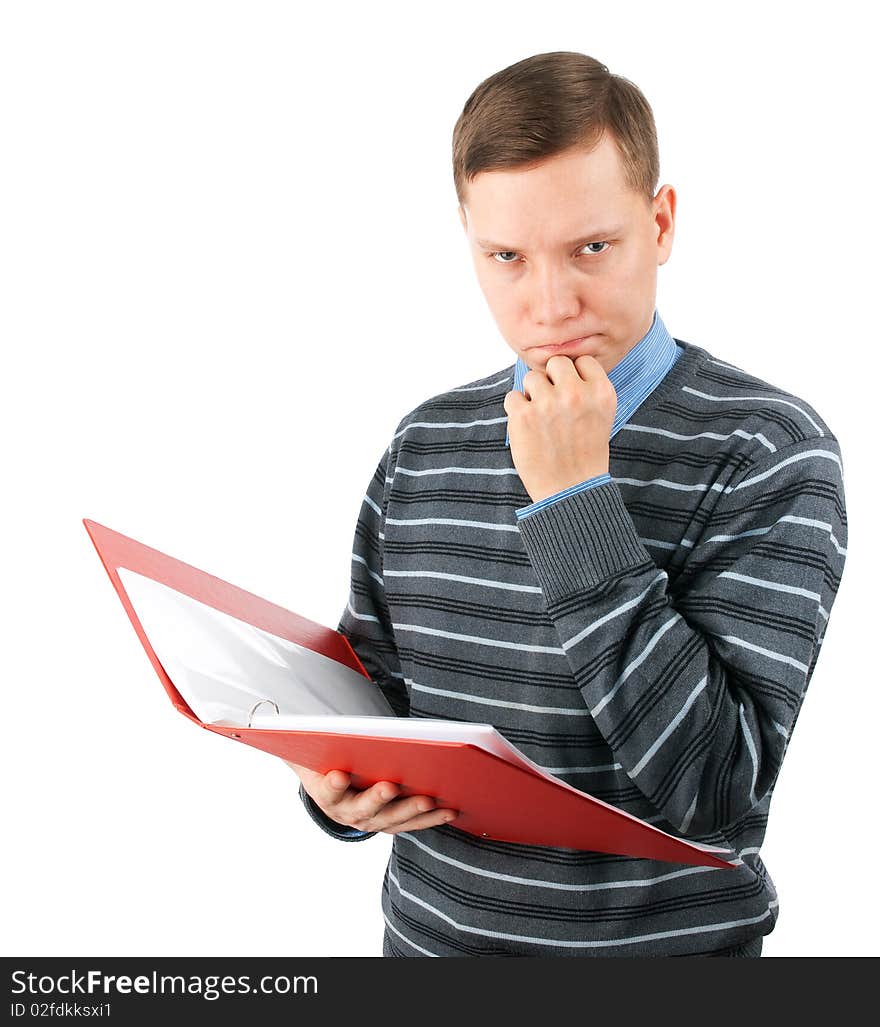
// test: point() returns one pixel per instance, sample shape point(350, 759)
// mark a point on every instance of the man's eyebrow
point(599, 235)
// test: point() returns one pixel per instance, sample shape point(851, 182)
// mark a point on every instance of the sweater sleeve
point(696, 685)
point(366, 622)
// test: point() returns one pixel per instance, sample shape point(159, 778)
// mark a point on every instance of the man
point(621, 551)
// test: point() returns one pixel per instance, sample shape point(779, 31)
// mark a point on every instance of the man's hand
point(375, 809)
point(560, 429)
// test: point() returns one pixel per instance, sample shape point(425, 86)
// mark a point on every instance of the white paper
point(222, 666)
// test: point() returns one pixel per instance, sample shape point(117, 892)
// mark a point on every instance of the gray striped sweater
point(649, 640)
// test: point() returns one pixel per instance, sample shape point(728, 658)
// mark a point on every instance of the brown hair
point(547, 104)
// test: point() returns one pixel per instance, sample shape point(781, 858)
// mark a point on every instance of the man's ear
point(463, 218)
point(664, 217)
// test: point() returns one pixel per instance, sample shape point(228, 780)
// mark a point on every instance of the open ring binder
point(497, 797)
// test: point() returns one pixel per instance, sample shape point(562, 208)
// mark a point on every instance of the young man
point(620, 551)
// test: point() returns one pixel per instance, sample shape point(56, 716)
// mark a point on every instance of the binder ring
point(260, 703)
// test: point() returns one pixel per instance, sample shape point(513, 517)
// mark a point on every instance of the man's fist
point(560, 429)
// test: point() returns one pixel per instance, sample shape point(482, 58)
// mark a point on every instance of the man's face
point(566, 251)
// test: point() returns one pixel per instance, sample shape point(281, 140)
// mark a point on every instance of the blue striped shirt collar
point(635, 376)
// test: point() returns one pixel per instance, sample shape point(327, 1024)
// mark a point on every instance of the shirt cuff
point(525, 511)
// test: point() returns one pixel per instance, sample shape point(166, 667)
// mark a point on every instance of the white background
point(231, 262)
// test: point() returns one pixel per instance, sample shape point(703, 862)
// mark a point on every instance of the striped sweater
point(649, 640)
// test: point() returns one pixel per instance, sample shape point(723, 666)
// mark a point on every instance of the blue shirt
point(634, 378)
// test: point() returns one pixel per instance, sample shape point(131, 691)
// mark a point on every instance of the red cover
point(496, 799)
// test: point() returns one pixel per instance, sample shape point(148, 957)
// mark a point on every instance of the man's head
point(555, 163)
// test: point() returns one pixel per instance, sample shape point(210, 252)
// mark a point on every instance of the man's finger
point(559, 367)
point(375, 800)
point(512, 400)
point(337, 781)
point(535, 382)
point(588, 366)
point(387, 810)
point(431, 819)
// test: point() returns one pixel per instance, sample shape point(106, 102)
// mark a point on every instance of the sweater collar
point(635, 376)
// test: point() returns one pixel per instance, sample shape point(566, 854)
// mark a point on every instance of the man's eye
point(512, 253)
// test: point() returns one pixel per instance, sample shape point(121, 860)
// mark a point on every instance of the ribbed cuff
point(581, 540)
point(344, 834)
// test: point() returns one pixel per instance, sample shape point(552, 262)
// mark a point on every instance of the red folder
point(496, 799)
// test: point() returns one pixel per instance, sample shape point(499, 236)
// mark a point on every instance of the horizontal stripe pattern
point(648, 640)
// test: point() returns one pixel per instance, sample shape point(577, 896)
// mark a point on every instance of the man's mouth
point(554, 347)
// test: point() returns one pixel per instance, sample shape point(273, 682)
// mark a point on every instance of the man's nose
point(556, 294)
